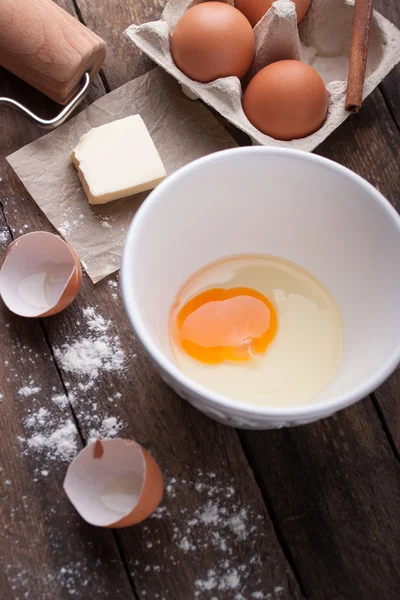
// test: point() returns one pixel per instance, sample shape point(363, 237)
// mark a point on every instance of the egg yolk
point(232, 324)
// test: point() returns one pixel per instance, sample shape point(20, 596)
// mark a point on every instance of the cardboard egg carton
point(322, 40)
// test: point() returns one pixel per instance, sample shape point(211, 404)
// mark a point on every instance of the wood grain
point(183, 442)
point(390, 86)
point(47, 48)
point(123, 62)
point(190, 448)
point(333, 487)
point(46, 550)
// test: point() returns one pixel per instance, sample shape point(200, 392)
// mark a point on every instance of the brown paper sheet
point(182, 131)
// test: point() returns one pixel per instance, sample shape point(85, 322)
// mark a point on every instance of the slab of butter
point(117, 159)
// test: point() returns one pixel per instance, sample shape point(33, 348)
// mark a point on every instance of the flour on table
point(90, 355)
point(114, 287)
point(29, 390)
point(214, 522)
point(95, 322)
point(61, 400)
point(49, 428)
point(58, 440)
point(229, 580)
point(109, 428)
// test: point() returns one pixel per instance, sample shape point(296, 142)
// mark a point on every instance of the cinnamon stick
point(358, 54)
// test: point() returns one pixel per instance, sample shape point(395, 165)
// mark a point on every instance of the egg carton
point(322, 40)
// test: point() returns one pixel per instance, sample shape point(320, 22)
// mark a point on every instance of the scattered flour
point(58, 442)
point(29, 390)
point(110, 428)
point(38, 418)
point(4, 236)
point(88, 356)
point(227, 581)
point(217, 530)
point(65, 228)
point(85, 578)
point(114, 287)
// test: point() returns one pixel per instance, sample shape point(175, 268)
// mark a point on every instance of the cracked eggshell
point(114, 483)
point(41, 275)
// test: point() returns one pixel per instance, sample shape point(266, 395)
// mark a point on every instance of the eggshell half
point(114, 483)
point(41, 275)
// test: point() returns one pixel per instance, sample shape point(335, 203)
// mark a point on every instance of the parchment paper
point(322, 40)
point(182, 131)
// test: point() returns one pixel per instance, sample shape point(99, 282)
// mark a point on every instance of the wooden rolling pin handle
point(48, 48)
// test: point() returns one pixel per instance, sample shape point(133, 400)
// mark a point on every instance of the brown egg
point(213, 40)
point(286, 100)
point(255, 9)
point(41, 275)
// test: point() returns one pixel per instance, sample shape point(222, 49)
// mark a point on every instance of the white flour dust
point(29, 390)
point(65, 228)
point(4, 236)
point(57, 441)
point(214, 527)
point(109, 428)
point(97, 351)
point(49, 429)
point(95, 322)
point(61, 400)
point(70, 225)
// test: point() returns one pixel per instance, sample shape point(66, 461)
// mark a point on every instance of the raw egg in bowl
point(315, 303)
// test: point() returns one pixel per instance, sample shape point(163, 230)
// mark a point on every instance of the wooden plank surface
point(46, 550)
point(189, 448)
point(327, 515)
point(390, 87)
point(332, 486)
point(208, 477)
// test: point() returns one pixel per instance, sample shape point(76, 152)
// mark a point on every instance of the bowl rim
point(167, 366)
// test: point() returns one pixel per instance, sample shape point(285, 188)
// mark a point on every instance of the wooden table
point(311, 512)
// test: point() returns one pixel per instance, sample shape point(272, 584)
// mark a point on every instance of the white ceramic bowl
point(295, 205)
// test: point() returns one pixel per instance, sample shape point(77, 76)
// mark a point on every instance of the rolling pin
point(49, 49)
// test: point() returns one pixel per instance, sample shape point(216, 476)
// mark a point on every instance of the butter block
point(117, 160)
